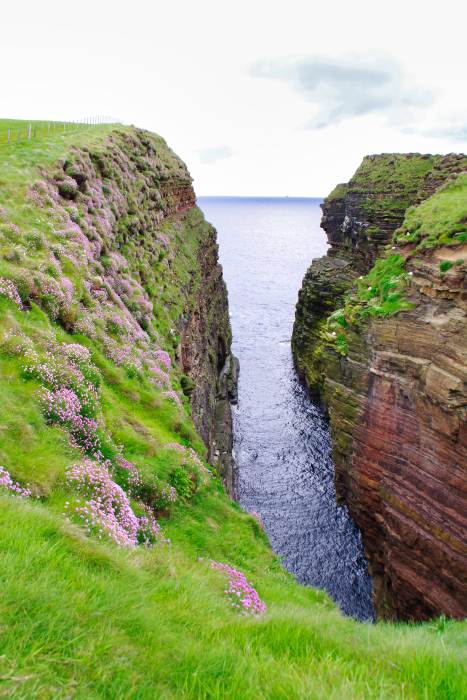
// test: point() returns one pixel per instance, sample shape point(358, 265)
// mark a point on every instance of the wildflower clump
point(8, 290)
point(149, 530)
point(70, 394)
point(240, 593)
point(104, 481)
point(6, 482)
point(257, 516)
point(129, 474)
point(172, 395)
point(190, 458)
point(164, 358)
point(105, 508)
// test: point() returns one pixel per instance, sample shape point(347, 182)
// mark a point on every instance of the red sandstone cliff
point(397, 399)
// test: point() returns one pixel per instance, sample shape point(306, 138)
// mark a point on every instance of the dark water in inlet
point(282, 444)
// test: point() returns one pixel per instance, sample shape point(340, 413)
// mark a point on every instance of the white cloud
point(215, 153)
point(454, 131)
point(348, 87)
point(182, 69)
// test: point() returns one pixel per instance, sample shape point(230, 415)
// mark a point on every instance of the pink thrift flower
point(7, 483)
point(8, 290)
point(241, 594)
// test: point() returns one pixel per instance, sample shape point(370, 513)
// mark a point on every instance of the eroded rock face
point(400, 452)
point(134, 195)
point(359, 218)
point(206, 358)
point(397, 400)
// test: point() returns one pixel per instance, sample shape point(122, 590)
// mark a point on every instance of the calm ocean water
point(282, 444)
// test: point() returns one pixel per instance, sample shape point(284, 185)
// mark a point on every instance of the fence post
point(29, 132)
point(9, 136)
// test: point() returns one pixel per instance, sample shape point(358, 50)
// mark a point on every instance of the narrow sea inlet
point(282, 444)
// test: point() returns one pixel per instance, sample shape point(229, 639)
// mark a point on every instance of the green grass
point(90, 620)
point(384, 186)
point(439, 220)
point(84, 618)
point(337, 193)
point(388, 183)
point(14, 131)
point(397, 176)
point(379, 293)
point(392, 171)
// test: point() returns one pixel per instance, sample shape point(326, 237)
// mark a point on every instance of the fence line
point(26, 131)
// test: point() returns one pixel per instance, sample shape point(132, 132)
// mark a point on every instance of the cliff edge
point(126, 569)
point(380, 339)
point(103, 236)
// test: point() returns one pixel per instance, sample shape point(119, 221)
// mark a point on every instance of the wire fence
point(18, 131)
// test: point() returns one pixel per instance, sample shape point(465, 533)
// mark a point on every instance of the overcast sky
point(259, 98)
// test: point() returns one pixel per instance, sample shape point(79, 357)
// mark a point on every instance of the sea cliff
point(380, 339)
point(118, 252)
point(126, 569)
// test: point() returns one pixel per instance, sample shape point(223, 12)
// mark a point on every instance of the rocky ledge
point(380, 338)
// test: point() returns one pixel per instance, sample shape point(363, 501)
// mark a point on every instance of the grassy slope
point(18, 130)
point(440, 219)
point(391, 171)
point(391, 180)
point(83, 618)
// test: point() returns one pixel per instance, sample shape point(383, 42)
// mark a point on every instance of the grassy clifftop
point(110, 514)
point(434, 233)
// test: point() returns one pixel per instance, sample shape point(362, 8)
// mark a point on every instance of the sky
point(259, 98)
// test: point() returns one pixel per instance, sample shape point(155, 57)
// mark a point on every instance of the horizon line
point(258, 196)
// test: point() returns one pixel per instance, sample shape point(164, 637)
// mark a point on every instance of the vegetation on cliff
point(360, 218)
point(121, 554)
point(440, 220)
point(380, 334)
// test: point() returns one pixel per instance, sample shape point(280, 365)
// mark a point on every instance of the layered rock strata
point(206, 358)
point(397, 399)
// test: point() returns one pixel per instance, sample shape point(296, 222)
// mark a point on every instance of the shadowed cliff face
point(396, 397)
point(206, 359)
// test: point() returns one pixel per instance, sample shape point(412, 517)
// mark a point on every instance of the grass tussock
point(439, 220)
